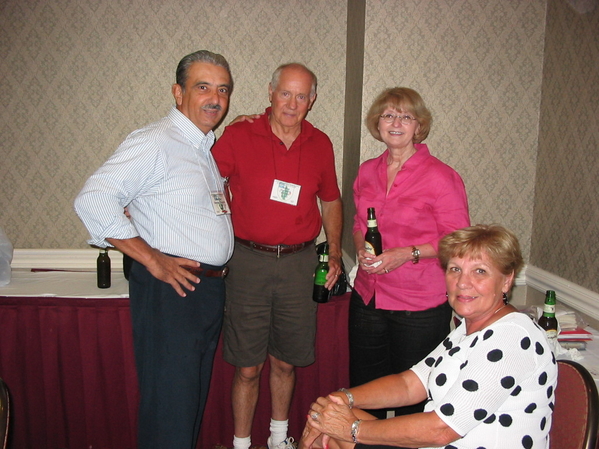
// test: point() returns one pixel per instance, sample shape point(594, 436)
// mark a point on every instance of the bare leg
point(246, 387)
point(282, 383)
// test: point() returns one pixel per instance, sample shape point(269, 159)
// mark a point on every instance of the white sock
point(278, 431)
point(242, 443)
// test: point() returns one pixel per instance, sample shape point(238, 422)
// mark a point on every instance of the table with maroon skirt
point(66, 354)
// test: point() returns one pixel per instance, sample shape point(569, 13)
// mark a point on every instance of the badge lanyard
point(283, 191)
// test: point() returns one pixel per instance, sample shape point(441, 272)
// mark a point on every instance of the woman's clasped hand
point(329, 417)
point(389, 260)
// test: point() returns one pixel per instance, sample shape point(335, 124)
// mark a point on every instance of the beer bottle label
point(551, 334)
point(369, 248)
point(549, 308)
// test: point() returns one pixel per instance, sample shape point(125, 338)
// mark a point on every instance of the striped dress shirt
point(164, 174)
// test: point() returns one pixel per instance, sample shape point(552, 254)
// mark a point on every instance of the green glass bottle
point(321, 293)
point(548, 322)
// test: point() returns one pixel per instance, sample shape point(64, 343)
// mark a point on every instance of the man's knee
point(248, 374)
point(280, 367)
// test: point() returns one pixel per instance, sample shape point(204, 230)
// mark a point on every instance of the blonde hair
point(402, 99)
point(495, 241)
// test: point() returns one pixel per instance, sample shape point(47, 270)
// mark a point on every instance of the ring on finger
point(386, 271)
point(315, 416)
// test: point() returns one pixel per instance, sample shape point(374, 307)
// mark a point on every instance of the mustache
point(216, 107)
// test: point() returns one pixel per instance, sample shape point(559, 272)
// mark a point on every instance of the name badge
point(285, 192)
point(219, 203)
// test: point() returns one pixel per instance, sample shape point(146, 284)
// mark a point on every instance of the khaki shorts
point(269, 307)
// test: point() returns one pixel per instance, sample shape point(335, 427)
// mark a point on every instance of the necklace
point(502, 307)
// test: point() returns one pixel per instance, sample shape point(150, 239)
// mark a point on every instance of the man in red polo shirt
point(278, 166)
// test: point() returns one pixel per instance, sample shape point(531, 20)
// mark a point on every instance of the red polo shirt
point(252, 157)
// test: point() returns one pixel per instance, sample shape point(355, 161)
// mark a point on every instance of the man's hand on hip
point(165, 268)
point(170, 270)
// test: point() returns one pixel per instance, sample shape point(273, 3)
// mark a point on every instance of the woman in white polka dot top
point(489, 385)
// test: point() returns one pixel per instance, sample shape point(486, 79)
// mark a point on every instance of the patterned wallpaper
point(478, 66)
point(566, 215)
point(79, 75)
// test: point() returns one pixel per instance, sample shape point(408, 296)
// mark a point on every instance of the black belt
point(199, 272)
point(278, 249)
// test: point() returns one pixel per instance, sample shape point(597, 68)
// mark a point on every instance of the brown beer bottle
point(373, 240)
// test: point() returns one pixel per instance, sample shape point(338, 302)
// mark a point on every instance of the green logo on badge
point(285, 192)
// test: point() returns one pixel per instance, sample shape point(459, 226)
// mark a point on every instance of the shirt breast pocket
point(412, 212)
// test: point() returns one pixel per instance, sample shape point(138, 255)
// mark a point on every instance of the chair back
point(4, 413)
point(576, 413)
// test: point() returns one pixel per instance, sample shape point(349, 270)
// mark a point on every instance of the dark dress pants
point(384, 342)
point(175, 340)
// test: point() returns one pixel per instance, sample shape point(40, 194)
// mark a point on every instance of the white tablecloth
point(590, 357)
point(67, 284)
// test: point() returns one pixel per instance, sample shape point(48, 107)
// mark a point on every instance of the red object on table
point(69, 366)
point(577, 334)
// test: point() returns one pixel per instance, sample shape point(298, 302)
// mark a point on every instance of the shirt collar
point(191, 132)
point(421, 154)
point(415, 160)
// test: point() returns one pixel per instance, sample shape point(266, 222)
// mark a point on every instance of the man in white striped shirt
point(180, 237)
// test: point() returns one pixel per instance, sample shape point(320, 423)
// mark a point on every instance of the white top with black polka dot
point(494, 387)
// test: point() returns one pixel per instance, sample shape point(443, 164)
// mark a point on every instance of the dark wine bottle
point(103, 269)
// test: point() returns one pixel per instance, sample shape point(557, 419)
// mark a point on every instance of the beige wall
point(478, 66)
point(566, 215)
point(78, 76)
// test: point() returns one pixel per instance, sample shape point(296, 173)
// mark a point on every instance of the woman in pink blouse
point(399, 310)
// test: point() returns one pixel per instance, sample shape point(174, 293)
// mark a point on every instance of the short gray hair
point(274, 82)
point(199, 56)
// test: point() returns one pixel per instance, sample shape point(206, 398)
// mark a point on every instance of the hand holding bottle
point(320, 293)
point(373, 242)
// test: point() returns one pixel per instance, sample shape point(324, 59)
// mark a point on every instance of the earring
point(446, 295)
point(505, 300)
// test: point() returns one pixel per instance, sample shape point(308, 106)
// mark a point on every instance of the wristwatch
point(415, 255)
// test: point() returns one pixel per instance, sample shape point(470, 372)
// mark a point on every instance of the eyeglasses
point(404, 119)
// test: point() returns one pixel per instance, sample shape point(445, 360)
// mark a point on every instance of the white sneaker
point(287, 444)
